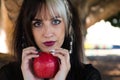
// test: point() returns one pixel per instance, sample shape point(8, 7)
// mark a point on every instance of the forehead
point(45, 13)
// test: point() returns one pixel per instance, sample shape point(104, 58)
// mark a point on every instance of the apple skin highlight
point(46, 65)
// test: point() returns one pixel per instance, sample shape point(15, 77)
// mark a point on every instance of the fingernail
point(37, 55)
point(38, 50)
point(52, 51)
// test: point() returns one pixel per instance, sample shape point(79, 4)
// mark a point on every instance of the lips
point(49, 43)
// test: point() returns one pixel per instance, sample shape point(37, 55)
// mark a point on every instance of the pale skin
point(47, 29)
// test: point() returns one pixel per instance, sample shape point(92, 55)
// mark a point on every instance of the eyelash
point(56, 20)
point(39, 23)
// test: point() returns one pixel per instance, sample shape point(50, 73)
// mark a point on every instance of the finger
point(29, 48)
point(26, 61)
point(63, 52)
point(29, 57)
point(63, 62)
point(28, 51)
point(61, 57)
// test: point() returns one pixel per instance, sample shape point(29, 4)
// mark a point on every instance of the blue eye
point(37, 23)
point(56, 21)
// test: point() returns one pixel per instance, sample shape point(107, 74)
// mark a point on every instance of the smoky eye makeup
point(56, 20)
point(37, 23)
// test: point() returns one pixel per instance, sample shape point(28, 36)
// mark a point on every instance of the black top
point(12, 71)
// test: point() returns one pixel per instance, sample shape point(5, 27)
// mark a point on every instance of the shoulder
point(10, 66)
point(10, 70)
point(91, 73)
point(89, 67)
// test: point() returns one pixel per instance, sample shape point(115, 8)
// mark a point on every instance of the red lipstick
point(49, 43)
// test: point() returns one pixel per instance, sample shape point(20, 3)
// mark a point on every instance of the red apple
point(46, 65)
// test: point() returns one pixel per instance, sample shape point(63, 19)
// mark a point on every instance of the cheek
point(37, 36)
point(61, 35)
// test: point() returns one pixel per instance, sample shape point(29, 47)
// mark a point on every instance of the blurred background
point(101, 31)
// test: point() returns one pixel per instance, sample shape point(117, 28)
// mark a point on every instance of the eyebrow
point(55, 17)
point(37, 19)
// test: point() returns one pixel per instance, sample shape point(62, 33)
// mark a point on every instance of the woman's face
point(48, 31)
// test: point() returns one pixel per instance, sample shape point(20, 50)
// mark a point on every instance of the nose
point(48, 31)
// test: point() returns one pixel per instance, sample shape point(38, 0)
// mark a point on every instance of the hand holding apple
point(46, 65)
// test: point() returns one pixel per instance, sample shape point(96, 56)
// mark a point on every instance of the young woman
point(46, 25)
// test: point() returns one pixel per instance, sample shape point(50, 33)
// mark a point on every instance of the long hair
point(77, 55)
point(23, 37)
